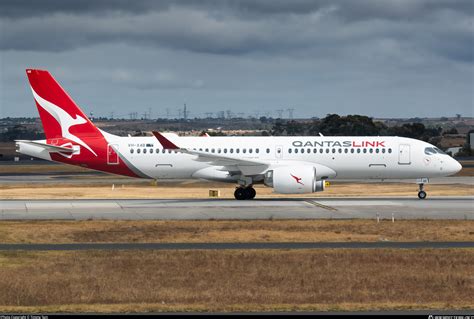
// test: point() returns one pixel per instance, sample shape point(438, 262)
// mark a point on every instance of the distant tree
point(451, 131)
point(279, 128)
point(20, 132)
point(294, 128)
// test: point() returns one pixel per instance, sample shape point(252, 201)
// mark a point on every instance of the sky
point(398, 58)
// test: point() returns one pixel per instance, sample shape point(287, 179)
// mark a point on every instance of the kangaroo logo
point(65, 120)
point(297, 179)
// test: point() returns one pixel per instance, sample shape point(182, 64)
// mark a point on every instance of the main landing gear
point(244, 193)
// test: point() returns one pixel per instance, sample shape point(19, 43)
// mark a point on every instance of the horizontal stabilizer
point(49, 147)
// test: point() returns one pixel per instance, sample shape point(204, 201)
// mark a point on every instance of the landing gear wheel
point(250, 192)
point(239, 193)
point(421, 194)
point(244, 193)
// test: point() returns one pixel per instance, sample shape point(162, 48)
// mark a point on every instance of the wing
point(228, 163)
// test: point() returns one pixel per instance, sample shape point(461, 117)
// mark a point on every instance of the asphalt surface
point(461, 208)
point(100, 178)
point(240, 246)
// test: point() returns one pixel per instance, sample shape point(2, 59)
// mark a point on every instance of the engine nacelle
point(294, 180)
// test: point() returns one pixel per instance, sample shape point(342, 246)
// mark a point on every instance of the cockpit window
point(439, 151)
point(430, 151)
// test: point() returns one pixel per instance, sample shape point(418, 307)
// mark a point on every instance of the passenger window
point(207, 150)
point(327, 150)
point(200, 150)
point(371, 150)
point(308, 151)
point(383, 150)
point(244, 150)
point(346, 150)
point(157, 151)
point(358, 151)
point(321, 151)
point(138, 150)
point(231, 150)
point(365, 150)
point(268, 150)
point(169, 151)
point(257, 150)
point(315, 150)
point(131, 150)
point(225, 150)
point(237, 150)
point(352, 150)
point(219, 150)
point(296, 150)
point(213, 150)
point(333, 150)
point(377, 150)
point(289, 151)
point(390, 150)
point(250, 150)
point(151, 151)
point(340, 150)
point(144, 151)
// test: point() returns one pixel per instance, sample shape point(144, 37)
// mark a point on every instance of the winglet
point(166, 143)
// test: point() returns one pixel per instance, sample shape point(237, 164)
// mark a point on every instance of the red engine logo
point(297, 179)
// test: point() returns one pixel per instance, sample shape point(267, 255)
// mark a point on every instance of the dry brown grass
point(201, 190)
point(236, 280)
point(234, 231)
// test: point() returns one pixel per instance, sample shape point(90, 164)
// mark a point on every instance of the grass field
point(236, 280)
point(234, 231)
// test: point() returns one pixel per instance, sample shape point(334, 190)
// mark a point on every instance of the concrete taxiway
point(206, 209)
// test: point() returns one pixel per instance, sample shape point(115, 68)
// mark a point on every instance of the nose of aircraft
point(453, 166)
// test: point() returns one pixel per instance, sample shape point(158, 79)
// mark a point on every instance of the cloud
point(372, 56)
point(238, 27)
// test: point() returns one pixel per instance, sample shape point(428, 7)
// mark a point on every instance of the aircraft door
point(279, 151)
point(112, 156)
point(404, 154)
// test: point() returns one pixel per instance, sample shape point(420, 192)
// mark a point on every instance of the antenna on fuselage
point(321, 134)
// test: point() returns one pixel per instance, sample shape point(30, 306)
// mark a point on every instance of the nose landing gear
point(245, 193)
point(421, 192)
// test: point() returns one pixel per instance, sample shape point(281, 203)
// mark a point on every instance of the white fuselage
point(346, 157)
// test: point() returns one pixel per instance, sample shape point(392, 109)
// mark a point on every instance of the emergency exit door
point(404, 154)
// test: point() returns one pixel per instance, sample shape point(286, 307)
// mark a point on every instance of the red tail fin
point(60, 115)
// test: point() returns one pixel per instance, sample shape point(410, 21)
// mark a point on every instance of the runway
point(99, 178)
point(237, 246)
point(461, 208)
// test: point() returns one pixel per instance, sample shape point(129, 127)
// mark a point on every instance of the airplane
point(288, 164)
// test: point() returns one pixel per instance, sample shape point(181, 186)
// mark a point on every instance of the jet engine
point(294, 180)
